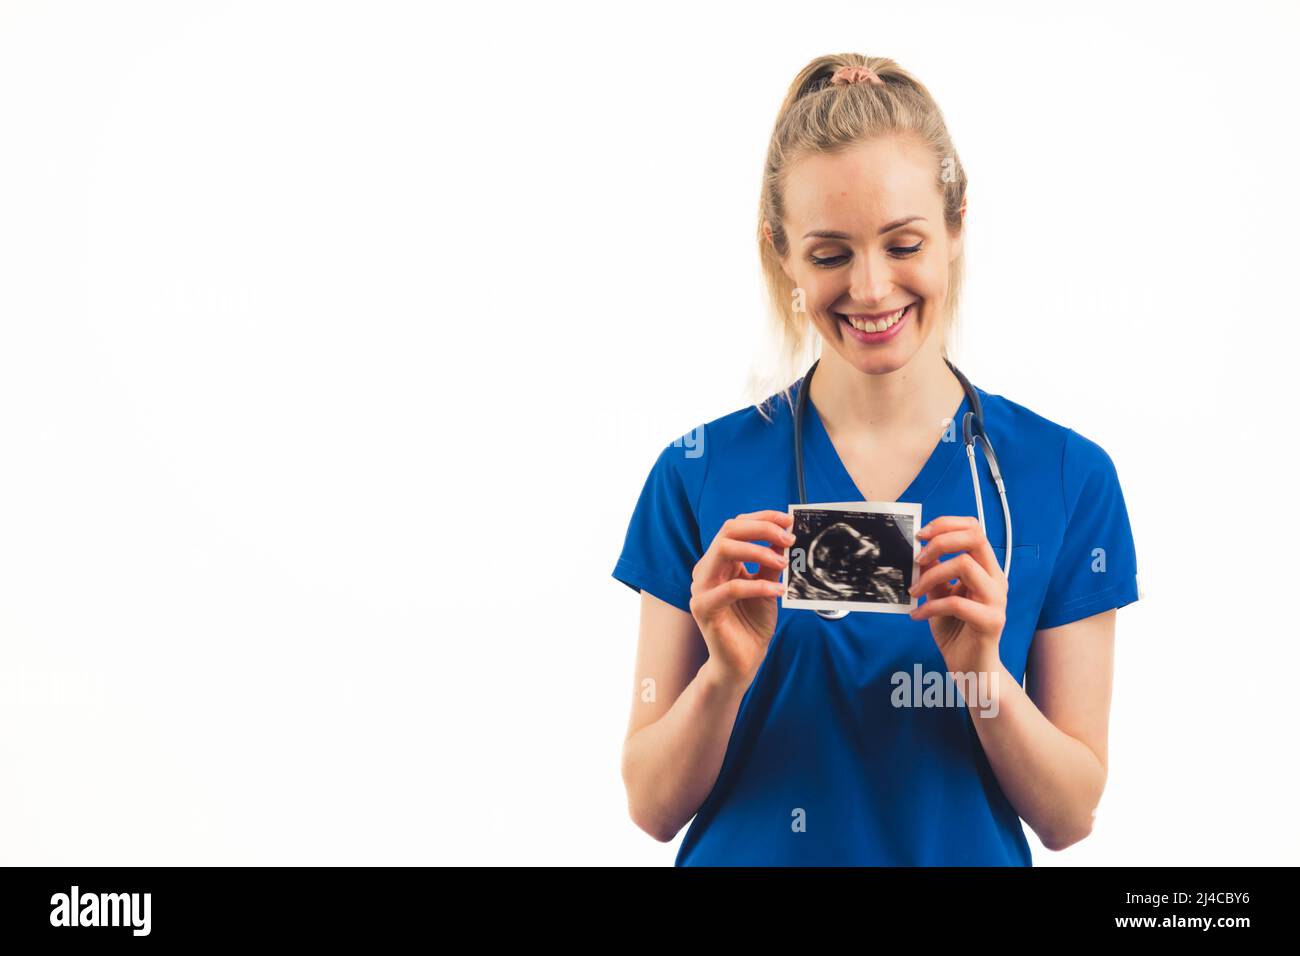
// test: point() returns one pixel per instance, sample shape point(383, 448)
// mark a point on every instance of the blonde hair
point(821, 117)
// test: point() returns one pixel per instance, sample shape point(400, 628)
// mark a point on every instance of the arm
point(1047, 747)
point(683, 712)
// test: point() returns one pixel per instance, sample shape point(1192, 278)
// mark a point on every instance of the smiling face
point(867, 239)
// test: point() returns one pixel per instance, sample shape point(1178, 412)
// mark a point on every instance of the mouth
point(877, 329)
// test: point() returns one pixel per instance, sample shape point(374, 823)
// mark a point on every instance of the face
point(857, 258)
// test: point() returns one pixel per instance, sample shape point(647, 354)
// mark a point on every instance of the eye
point(899, 252)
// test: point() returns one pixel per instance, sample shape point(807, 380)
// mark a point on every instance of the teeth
point(876, 325)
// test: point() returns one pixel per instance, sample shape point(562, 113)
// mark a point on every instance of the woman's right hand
point(734, 609)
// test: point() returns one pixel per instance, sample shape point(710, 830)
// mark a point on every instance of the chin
point(881, 364)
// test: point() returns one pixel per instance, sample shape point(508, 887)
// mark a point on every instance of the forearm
point(670, 766)
point(1054, 781)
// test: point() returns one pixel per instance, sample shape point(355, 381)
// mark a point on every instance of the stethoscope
point(972, 427)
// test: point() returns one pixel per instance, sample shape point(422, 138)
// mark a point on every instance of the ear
point(957, 243)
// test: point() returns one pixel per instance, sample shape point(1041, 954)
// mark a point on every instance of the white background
point(337, 340)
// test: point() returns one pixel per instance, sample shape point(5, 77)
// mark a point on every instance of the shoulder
point(1018, 420)
point(739, 433)
point(1048, 446)
point(748, 426)
point(735, 439)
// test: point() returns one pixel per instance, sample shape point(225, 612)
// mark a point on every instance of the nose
point(869, 281)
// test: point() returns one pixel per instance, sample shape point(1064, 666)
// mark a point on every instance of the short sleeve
point(1096, 566)
point(662, 545)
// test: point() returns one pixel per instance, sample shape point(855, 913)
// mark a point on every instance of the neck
point(917, 396)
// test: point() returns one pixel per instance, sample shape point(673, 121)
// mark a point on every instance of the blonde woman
point(792, 739)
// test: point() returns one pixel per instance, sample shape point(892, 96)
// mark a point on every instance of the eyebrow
point(831, 234)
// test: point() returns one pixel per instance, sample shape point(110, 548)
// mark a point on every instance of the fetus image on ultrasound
point(851, 556)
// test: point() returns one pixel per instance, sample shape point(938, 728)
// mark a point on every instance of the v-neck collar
point(829, 467)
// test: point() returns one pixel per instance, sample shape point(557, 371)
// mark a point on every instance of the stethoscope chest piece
point(833, 615)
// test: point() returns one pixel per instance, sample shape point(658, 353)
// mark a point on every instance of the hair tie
point(848, 75)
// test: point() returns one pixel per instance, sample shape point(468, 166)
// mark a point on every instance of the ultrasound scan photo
point(852, 557)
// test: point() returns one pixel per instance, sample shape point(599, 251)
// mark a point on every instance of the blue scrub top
point(822, 769)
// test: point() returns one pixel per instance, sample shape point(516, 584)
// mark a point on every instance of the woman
point(797, 740)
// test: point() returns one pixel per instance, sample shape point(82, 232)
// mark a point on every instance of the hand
point(965, 618)
point(736, 610)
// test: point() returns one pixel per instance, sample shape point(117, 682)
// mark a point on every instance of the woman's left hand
point(965, 618)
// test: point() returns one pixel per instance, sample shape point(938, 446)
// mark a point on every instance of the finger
point(925, 586)
point(943, 590)
point(783, 518)
point(765, 557)
point(946, 523)
point(971, 576)
point(968, 539)
point(966, 570)
point(977, 615)
point(781, 552)
point(711, 601)
point(754, 529)
point(716, 565)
